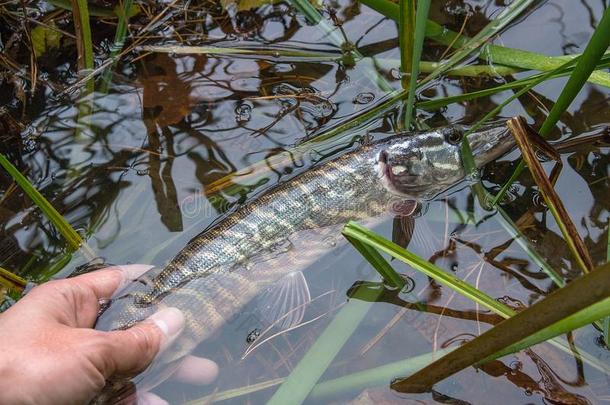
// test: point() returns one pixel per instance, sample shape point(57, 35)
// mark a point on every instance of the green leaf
point(492, 53)
point(45, 38)
point(406, 33)
point(507, 15)
point(423, 7)
point(366, 236)
point(547, 318)
point(598, 44)
point(359, 233)
point(586, 63)
point(306, 374)
point(51, 213)
point(385, 270)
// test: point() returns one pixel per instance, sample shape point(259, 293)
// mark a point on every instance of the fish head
point(421, 166)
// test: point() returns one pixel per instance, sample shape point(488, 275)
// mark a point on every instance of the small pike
point(220, 271)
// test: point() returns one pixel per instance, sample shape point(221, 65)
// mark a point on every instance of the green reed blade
point(586, 64)
point(519, 93)
point(11, 281)
point(51, 213)
point(513, 230)
point(375, 376)
point(216, 50)
point(119, 41)
point(368, 237)
point(563, 307)
point(606, 321)
point(441, 102)
point(597, 46)
point(406, 33)
point(308, 371)
point(80, 12)
point(507, 15)
point(357, 232)
point(121, 28)
point(492, 53)
point(575, 321)
point(380, 264)
point(423, 7)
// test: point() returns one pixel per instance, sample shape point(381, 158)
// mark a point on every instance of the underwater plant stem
point(308, 371)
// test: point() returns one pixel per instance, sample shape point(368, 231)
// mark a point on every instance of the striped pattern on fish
point(220, 271)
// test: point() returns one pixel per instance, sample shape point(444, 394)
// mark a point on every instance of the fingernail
point(170, 321)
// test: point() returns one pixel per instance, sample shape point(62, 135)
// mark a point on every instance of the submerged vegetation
point(235, 90)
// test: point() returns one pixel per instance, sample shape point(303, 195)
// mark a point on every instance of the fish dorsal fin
point(284, 302)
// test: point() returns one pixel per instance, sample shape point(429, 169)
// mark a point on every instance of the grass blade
point(359, 233)
point(374, 376)
point(606, 321)
point(215, 50)
point(84, 44)
point(587, 62)
point(577, 320)
point(598, 44)
point(380, 264)
point(423, 7)
point(441, 102)
point(507, 15)
point(494, 54)
point(11, 281)
point(406, 34)
point(525, 140)
point(73, 238)
point(311, 367)
point(555, 307)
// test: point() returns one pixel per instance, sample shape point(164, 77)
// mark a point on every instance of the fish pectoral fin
point(403, 228)
point(404, 208)
point(284, 302)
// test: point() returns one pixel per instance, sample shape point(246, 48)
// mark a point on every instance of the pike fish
point(223, 269)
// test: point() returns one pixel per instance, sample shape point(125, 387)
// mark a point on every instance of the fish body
point(223, 269)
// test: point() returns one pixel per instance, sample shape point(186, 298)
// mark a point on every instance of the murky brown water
point(141, 179)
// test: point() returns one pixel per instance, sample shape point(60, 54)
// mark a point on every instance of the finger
point(196, 371)
point(105, 282)
point(131, 350)
point(148, 398)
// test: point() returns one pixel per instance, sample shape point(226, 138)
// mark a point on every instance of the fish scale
point(223, 269)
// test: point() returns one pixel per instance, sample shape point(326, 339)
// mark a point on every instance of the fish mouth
point(389, 179)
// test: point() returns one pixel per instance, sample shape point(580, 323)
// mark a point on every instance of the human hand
point(49, 354)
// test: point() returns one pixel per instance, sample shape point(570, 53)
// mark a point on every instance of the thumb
point(133, 349)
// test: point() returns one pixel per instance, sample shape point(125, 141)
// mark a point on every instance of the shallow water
point(141, 178)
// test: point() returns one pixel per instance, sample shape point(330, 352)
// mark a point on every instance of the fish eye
point(454, 136)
